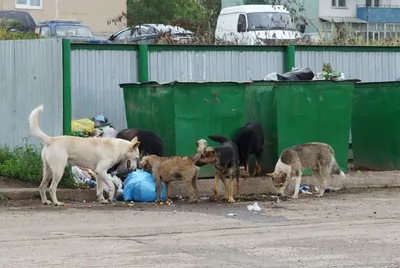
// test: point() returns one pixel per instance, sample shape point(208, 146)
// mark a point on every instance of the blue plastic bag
point(140, 186)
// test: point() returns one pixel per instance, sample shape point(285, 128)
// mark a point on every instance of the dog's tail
point(219, 139)
point(336, 169)
point(34, 126)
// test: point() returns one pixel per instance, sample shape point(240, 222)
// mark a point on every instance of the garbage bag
point(100, 121)
point(84, 125)
point(271, 77)
point(109, 132)
point(303, 74)
point(140, 186)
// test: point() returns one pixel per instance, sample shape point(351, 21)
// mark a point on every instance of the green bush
point(5, 33)
point(24, 163)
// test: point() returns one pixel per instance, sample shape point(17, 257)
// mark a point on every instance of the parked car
point(24, 20)
point(255, 25)
point(151, 34)
point(73, 30)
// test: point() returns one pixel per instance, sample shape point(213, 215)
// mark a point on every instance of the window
point(242, 25)
point(124, 35)
point(28, 4)
point(73, 31)
point(368, 3)
point(45, 32)
point(269, 21)
point(339, 3)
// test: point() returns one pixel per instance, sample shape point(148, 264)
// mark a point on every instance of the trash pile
point(98, 126)
point(306, 74)
point(136, 186)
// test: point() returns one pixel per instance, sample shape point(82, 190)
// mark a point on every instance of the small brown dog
point(167, 169)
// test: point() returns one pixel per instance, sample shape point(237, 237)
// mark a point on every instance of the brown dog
point(167, 169)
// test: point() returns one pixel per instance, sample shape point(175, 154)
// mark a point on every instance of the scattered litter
point(276, 198)
point(254, 207)
point(89, 206)
point(84, 176)
point(305, 190)
point(204, 198)
point(232, 214)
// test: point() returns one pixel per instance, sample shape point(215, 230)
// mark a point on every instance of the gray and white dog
point(317, 156)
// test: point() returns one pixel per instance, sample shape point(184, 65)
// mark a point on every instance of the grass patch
point(24, 163)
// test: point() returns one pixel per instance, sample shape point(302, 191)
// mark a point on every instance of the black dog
point(250, 140)
point(150, 143)
point(225, 159)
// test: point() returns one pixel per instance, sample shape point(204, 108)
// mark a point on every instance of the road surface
point(347, 229)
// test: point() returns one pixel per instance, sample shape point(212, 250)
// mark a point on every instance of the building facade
point(372, 19)
point(93, 13)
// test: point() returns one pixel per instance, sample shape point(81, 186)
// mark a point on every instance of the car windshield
point(269, 21)
point(73, 31)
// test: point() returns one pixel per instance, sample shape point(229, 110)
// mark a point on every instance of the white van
point(255, 25)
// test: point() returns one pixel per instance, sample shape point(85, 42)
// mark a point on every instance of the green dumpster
point(182, 113)
point(315, 111)
point(375, 126)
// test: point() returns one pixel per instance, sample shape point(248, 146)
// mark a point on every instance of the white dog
point(96, 154)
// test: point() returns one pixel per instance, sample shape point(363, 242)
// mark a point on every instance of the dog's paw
point(295, 196)
point(231, 200)
point(104, 201)
point(47, 202)
point(59, 204)
point(192, 201)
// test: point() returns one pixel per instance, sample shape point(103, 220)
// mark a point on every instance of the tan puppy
point(94, 153)
point(167, 169)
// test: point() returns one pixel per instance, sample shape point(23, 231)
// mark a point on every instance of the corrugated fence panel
point(213, 66)
point(30, 75)
point(366, 66)
point(96, 75)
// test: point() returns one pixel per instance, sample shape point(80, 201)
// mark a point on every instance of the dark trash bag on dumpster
point(140, 186)
point(303, 74)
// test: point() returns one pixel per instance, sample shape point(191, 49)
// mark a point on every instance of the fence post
point(67, 98)
point(290, 57)
point(143, 58)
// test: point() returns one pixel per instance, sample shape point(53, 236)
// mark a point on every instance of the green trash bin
point(375, 126)
point(182, 113)
point(315, 111)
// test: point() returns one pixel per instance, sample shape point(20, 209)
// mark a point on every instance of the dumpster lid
point(188, 83)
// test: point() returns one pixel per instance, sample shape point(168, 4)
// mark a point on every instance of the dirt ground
point(350, 228)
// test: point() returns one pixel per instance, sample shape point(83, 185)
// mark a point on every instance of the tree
point(196, 15)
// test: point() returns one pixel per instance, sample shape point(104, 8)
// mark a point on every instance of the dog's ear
point(135, 144)
point(271, 175)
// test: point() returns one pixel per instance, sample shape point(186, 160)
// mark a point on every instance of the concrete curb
point(250, 186)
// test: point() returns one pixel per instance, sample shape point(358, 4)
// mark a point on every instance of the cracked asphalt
point(358, 228)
